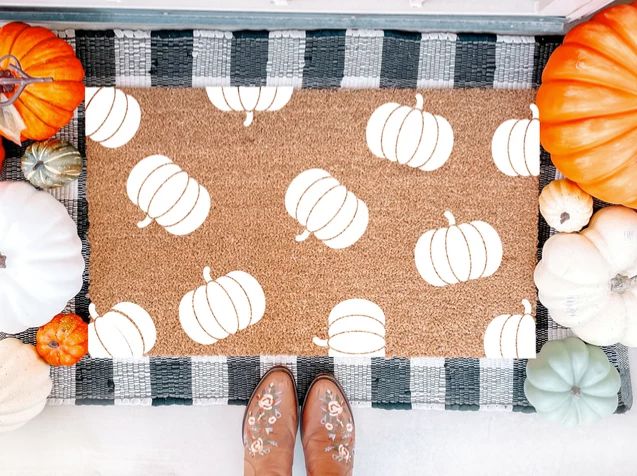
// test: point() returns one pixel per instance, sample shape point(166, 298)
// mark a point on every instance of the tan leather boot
point(270, 424)
point(327, 429)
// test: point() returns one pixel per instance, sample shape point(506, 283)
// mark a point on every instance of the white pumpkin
point(588, 280)
point(458, 253)
point(565, 206)
point(410, 136)
point(221, 307)
point(25, 384)
point(249, 99)
point(356, 327)
point(41, 263)
point(326, 209)
point(515, 146)
point(168, 195)
point(112, 116)
point(127, 330)
point(511, 336)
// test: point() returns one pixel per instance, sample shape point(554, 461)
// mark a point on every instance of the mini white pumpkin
point(565, 206)
point(41, 263)
point(409, 135)
point(515, 146)
point(168, 195)
point(221, 307)
point(112, 116)
point(572, 383)
point(25, 384)
point(249, 99)
point(588, 280)
point(356, 327)
point(127, 330)
point(458, 253)
point(511, 336)
point(326, 209)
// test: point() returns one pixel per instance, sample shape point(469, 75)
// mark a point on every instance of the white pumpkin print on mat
point(458, 253)
point(168, 195)
point(409, 135)
point(326, 209)
point(249, 99)
point(356, 327)
point(221, 307)
point(511, 336)
point(127, 330)
point(112, 116)
point(516, 146)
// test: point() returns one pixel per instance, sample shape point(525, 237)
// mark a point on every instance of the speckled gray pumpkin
point(51, 163)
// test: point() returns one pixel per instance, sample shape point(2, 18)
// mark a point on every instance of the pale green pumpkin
point(51, 163)
point(572, 382)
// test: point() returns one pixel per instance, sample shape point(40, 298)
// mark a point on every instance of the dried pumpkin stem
point(16, 79)
point(620, 283)
point(3, 261)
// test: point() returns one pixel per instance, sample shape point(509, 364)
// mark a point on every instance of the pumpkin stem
point(145, 222)
point(527, 306)
point(620, 283)
point(564, 217)
point(535, 111)
point(303, 236)
point(14, 79)
point(319, 342)
point(3, 261)
point(420, 102)
point(576, 391)
point(207, 274)
point(92, 310)
point(249, 118)
point(450, 218)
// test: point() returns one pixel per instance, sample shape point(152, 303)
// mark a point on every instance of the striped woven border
point(347, 59)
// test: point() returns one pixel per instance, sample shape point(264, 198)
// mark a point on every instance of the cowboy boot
point(269, 425)
point(327, 429)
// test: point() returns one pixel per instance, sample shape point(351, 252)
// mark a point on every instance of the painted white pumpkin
point(565, 206)
point(326, 209)
point(112, 116)
point(588, 280)
point(25, 384)
point(515, 146)
point(221, 307)
point(356, 327)
point(249, 99)
point(127, 330)
point(41, 263)
point(511, 336)
point(458, 253)
point(168, 195)
point(410, 136)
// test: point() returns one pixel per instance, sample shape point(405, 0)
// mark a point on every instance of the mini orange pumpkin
point(63, 341)
point(45, 75)
point(588, 105)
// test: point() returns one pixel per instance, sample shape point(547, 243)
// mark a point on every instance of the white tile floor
point(123, 441)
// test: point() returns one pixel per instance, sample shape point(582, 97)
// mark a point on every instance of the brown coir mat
point(334, 207)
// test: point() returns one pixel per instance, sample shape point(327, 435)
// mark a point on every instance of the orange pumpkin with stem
point(63, 341)
point(588, 105)
point(40, 78)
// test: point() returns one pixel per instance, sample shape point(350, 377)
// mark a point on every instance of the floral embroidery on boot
point(258, 438)
point(339, 427)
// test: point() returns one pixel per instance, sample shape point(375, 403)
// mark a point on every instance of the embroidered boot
point(327, 429)
point(270, 424)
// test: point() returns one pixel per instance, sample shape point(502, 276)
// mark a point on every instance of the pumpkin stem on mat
point(145, 222)
point(535, 111)
point(207, 274)
point(450, 218)
point(420, 102)
point(303, 236)
point(319, 342)
point(92, 311)
point(249, 118)
point(527, 306)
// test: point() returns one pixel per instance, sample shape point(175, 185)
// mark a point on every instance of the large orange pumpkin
point(56, 86)
point(588, 105)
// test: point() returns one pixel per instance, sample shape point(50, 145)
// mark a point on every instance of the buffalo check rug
point(317, 59)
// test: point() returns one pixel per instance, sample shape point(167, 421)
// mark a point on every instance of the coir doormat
point(263, 221)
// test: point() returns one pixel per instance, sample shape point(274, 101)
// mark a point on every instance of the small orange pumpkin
point(45, 66)
point(588, 105)
point(63, 341)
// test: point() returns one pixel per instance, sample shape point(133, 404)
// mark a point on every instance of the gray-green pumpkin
point(51, 163)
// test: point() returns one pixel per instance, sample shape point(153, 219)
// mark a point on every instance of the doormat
point(265, 221)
